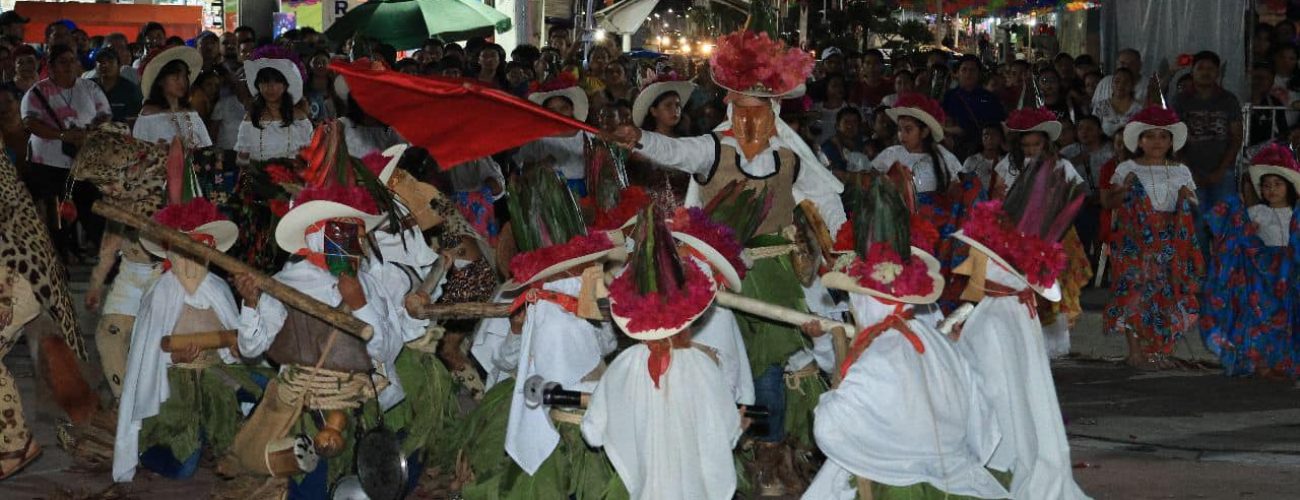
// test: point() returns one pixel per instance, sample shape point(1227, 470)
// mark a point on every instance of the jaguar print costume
point(130, 172)
point(26, 249)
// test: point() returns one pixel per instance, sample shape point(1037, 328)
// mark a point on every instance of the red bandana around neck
point(896, 320)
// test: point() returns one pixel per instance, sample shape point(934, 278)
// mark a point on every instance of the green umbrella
point(406, 24)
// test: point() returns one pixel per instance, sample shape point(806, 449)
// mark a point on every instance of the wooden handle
point(205, 341)
point(840, 342)
point(339, 318)
point(476, 310)
point(777, 313)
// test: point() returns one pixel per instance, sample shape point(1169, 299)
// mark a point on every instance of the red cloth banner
point(457, 120)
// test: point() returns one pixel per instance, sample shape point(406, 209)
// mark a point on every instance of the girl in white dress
point(167, 114)
point(274, 127)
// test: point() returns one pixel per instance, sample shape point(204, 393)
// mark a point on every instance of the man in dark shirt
point(970, 107)
point(123, 96)
point(872, 86)
point(1214, 134)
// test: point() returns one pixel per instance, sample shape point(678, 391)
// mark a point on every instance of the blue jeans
point(769, 391)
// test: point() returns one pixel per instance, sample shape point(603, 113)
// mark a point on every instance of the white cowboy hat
point(574, 94)
point(936, 129)
point(1258, 172)
point(223, 232)
point(284, 66)
point(837, 280)
point(1052, 293)
point(291, 232)
point(188, 55)
point(1133, 131)
point(616, 240)
point(647, 97)
point(663, 332)
point(1052, 128)
point(715, 258)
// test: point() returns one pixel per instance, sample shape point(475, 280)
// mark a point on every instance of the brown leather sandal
point(24, 457)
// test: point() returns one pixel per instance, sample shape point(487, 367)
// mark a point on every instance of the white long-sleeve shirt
point(697, 155)
point(258, 327)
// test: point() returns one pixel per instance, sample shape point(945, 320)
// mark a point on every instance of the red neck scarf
point(896, 320)
point(661, 353)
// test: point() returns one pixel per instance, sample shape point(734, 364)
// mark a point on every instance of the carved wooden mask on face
point(753, 124)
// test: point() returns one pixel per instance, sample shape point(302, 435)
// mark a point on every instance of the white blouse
point(1160, 182)
point(162, 127)
point(1274, 224)
point(273, 140)
point(920, 164)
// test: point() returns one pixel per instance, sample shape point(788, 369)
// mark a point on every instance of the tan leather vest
point(780, 182)
point(302, 339)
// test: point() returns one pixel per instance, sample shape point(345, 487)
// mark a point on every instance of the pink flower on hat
point(1157, 116)
point(1028, 118)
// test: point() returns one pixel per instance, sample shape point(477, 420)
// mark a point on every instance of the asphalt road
point(1180, 434)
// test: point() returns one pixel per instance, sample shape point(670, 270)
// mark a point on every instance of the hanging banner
point(307, 13)
point(336, 9)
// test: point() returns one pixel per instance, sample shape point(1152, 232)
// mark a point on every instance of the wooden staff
point(840, 342)
point(476, 310)
point(205, 341)
point(336, 317)
point(777, 313)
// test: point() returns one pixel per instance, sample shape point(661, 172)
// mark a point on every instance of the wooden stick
point(205, 341)
point(777, 313)
point(465, 310)
point(338, 318)
point(476, 310)
point(840, 341)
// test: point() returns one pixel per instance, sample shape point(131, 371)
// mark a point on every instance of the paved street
point(1169, 435)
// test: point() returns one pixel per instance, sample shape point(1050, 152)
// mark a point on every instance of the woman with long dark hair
point(167, 113)
point(275, 127)
point(935, 177)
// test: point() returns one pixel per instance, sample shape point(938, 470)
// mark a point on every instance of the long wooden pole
point(339, 318)
point(475, 310)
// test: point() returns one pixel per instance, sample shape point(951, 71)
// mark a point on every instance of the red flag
point(456, 120)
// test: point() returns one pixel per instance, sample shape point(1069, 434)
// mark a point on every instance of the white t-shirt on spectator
point(76, 107)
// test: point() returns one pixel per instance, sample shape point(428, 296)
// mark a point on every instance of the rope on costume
point(1026, 296)
point(324, 389)
point(754, 254)
point(794, 380)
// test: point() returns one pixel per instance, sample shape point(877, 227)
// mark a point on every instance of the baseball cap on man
point(12, 17)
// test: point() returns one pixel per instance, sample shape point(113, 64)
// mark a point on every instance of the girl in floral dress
point(1247, 318)
point(1158, 268)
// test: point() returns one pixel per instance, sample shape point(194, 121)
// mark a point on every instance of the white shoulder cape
point(901, 417)
point(671, 442)
point(1004, 345)
point(146, 388)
